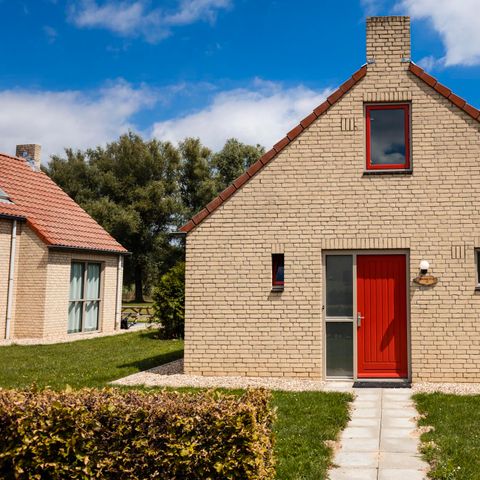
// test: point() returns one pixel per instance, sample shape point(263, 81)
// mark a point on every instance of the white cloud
point(429, 62)
point(50, 33)
point(69, 118)
point(135, 18)
point(261, 114)
point(457, 23)
point(372, 7)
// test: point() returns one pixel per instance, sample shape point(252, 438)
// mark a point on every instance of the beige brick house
point(349, 250)
point(60, 272)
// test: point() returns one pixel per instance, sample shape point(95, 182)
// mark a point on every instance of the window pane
point(339, 349)
point(478, 267)
point(76, 281)
point(280, 276)
point(93, 281)
point(278, 268)
point(74, 317)
point(91, 316)
point(387, 137)
point(339, 286)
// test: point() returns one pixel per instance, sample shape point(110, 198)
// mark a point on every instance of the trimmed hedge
point(113, 434)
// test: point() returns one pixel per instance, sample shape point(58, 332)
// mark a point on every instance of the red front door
point(382, 310)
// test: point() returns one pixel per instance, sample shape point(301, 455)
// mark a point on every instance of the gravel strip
point(73, 337)
point(454, 388)
point(171, 375)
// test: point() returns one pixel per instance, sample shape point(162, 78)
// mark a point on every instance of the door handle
point(359, 319)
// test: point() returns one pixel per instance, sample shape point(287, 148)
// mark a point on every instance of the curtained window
point(84, 305)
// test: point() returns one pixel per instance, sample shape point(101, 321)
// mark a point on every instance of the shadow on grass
point(157, 360)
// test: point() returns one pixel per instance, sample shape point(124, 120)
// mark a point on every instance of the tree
point(234, 158)
point(197, 185)
point(131, 188)
point(141, 191)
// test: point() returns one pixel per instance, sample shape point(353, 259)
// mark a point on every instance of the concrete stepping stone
point(380, 441)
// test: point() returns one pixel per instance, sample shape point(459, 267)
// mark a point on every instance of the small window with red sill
point(278, 268)
point(388, 137)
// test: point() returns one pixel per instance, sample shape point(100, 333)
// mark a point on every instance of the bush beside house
point(111, 434)
point(169, 302)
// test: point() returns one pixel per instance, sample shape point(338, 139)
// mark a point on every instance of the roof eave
point(444, 91)
point(8, 216)
point(88, 249)
point(271, 154)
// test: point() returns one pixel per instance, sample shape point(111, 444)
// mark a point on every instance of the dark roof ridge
point(277, 148)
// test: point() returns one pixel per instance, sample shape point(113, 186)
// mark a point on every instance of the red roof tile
point(48, 210)
point(277, 148)
point(444, 91)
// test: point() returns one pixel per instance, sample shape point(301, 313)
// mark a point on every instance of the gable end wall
point(314, 196)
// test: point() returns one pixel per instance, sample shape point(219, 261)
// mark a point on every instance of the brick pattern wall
point(42, 283)
point(388, 42)
point(5, 239)
point(315, 196)
point(30, 285)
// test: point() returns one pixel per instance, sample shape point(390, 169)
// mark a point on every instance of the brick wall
point(42, 283)
point(5, 239)
point(315, 196)
point(30, 285)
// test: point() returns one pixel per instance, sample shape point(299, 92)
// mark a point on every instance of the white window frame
point(84, 300)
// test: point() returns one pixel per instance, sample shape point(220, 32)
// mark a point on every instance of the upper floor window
point(477, 258)
point(278, 265)
point(388, 137)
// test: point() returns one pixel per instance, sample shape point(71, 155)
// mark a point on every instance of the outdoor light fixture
point(424, 266)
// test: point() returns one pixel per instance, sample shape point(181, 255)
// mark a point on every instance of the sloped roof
point(48, 210)
point(306, 122)
point(444, 91)
point(277, 148)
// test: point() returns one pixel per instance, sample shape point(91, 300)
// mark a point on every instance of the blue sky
point(79, 73)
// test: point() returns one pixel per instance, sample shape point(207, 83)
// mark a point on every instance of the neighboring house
point(308, 265)
point(60, 271)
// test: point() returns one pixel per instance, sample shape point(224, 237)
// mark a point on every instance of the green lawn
point(455, 451)
point(137, 304)
point(86, 363)
point(305, 420)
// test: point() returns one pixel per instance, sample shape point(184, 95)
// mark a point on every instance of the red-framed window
point(388, 136)
point(278, 269)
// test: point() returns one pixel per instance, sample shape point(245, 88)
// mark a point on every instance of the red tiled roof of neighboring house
point(306, 122)
point(48, 210)
point(277, 148)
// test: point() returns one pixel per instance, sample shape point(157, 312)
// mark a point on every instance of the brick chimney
point(31, 153)
point(388, 43)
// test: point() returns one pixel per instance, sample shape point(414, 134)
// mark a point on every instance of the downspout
point(118, 298)
point(11, 276)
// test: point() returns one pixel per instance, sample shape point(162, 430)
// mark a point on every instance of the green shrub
point(169, 302)
point(113, 434)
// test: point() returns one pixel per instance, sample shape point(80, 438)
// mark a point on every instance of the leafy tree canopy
point(141, 191)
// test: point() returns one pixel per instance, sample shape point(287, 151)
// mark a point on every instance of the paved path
point(380, 443)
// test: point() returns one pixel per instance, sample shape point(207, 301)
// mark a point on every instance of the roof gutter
point(7, 216)
point(11, 277)
point(86, 249)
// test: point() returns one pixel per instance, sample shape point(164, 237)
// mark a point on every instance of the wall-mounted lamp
point(424, 266)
